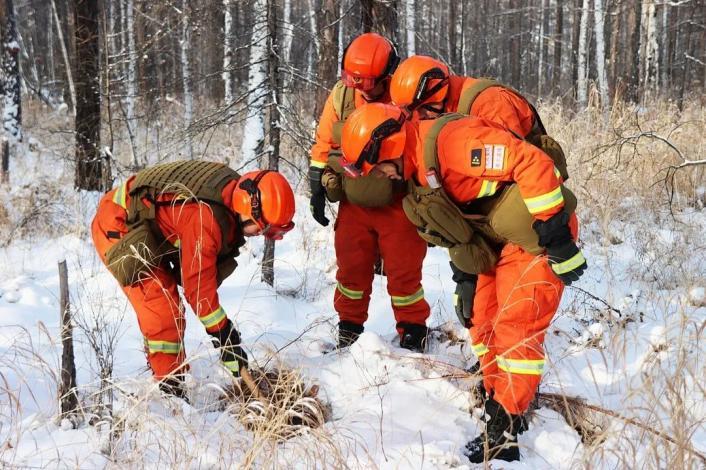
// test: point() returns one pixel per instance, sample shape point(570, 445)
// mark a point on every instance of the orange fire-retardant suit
point(160, 313)
point(362, 234)
point(516, 300)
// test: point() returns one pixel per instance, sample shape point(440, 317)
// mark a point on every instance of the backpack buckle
point(432, 179)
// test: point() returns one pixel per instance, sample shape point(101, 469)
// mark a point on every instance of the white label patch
point(488, 157)
point(498, 157)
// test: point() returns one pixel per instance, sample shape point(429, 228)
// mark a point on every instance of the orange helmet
point(372, 134)
point(419, 79)
point(266, 198)
point(368, 59)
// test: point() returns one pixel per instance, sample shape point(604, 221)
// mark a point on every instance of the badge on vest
point(494, 157)
point(476, 157)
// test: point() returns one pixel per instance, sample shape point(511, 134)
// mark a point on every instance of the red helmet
point(368, 59)
point(419, 79)
point(266, 198)
point(372, 134)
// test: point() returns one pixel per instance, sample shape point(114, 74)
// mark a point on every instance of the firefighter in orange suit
point(370, 223)
point(518, 293)
point(182, 223)
point(425, 85)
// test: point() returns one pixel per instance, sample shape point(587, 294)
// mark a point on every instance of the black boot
point(348, 333)
point(499, 441)
point(413, 336)
point(227, 341)
point(174, 385)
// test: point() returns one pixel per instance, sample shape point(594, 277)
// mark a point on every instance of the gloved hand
point(317, 203)
point(464, 294)
point(565, 258)
point(233, 356)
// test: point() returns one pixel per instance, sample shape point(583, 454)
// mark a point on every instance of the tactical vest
point(475, 235)
point(537, 136)
point(144, 246)
point(364, 191)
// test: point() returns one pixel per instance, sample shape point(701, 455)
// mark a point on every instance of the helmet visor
point(360, 83)
point(371, 152)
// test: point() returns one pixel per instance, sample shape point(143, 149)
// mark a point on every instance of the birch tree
point(253, 131)
point(649, 49)
point(599, 19)
point(131, 89)
point(10, 77)
point(186, 74)
point(410, 20)
point(228, 50)
point(582, 81)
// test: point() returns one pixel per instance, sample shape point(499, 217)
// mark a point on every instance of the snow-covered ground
point(628, 338)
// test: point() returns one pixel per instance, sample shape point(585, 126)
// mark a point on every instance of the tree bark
point(68, 398)
point(633, 69)
point(410, 26)
point(558, 38)
point(186, 73)
point(273, 131)
point(328, 60)
point(599, 19)
point(254, 133)
point(380, 17)
point(89, 168)
point(11, 88)
point(581, 82)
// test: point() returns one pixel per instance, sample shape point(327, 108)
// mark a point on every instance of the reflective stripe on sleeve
point(213, 318)
point(350, 293)
point(547, 201)
point(167, 347)
point(488, 188)
point(521, 366)
point(316, 164)
point(120, 196)
point(405, 300)
point(480, 349)
point(569, 265)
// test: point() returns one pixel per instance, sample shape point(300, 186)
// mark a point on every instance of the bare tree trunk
point(287, 36)
point(558, 38)
point(599, 19)
point(581, 83)
point(410, 18)
point(275, 86)
point(67, 388)
point(543, 29)
point(12, 95)
point(65, 55)
point(380, 17)
point(254, 133)
point(634, 18)
point(650, 53)
point(186, 75)
point(315, 47)
point(228, 49)
point(5, 161)
point(327, 64)
point(89, 167)
point(131, 93)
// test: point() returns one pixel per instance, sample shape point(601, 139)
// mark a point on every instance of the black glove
point(565, 258)
point(464, 294)
point(227, 340)
point(317, 203)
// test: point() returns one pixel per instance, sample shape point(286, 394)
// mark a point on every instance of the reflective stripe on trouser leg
point(485, 307)
point(402, 252)
point(480, 350)
point(214, 318)
point(528, 294)
point(356, 253)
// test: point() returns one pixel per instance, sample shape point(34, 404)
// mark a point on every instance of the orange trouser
point(361, 235)
point(513, 306)
point(512, 309)
point(156, 301)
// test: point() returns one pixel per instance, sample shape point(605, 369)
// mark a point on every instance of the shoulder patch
point(498, 157)
point(476, 157)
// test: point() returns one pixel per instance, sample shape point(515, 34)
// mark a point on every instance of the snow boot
point(348, 333)
point(413, 336)
point(499, 441)
point(227, 341)
point(174, 385)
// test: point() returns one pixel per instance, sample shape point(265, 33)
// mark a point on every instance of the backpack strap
point(469, 95)
point(343, 100)
point(431, 157)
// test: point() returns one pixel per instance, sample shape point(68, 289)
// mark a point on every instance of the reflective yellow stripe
point(404, 300)
point(120, 196)
point(521, 366)
point(213, 318)
point(232, 366)
point(167, 347)
point(316, 164)
point(176, 243)
point(570, 264)
point(350, 293)
point(488, 188)
point(480, 349)
point(544, 202)
point(557, 173)
point(455, 299)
